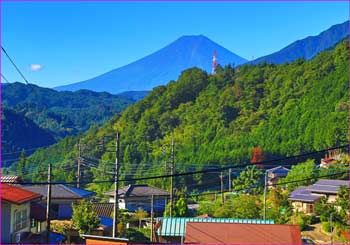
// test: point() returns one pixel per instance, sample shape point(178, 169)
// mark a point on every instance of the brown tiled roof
point(139, 191)
point(103, 209)
point(10, 179)
point(224, 233)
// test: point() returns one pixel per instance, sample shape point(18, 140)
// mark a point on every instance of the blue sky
point(56, 43)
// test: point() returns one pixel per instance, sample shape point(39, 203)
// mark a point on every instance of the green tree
point(21, 166)
point(84, 217)
point(343, 202)
point(139, 215)
point(180, 208)
point(248, 180)
point(301, 174)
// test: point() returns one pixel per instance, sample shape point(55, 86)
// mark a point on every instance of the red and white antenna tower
point(214, 63)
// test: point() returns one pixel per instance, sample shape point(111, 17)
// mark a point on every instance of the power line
point(2, 75)
point(159, 177)
point(13, 63)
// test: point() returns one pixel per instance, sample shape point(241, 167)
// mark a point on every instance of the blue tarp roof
point(177, 226)
point(80, 192)
point(106, 222)
point(56, 238)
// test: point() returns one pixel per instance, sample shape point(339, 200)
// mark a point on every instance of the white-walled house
point(304, 198)
point(133, 197)
point(15, 212)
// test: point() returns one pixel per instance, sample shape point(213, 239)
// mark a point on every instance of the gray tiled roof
point(58, 192)
point(138, 191)
point(103, 209)
point(328, 186)
point(303, 194)
point(278, 170)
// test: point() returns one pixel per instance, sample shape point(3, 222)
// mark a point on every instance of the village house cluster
point(24, 214)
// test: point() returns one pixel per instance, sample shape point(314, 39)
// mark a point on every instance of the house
point(133, 197)
point(11, 179)
point(274, 174)
point(172, 230)
point(332, 157)
point(304, 198)
point(15, 212)
point(62, 197)
point(234, 233)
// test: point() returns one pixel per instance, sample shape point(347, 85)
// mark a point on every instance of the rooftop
point(177, 226)
point(60, 191)
point(103, 209)
point(10, 179)
point(327, 186)
point(278, 170)
point(224, 233)
point(17, 195)
point(138, 191)
point(303, 194)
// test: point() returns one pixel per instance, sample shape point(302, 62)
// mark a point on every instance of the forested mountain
point(160, 67)
point(308, 47)
point(134, 95)
point(18, 133)
point(218, 119)
point(62, 113)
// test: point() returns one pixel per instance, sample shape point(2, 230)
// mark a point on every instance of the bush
point(326, 226)
point(303, 220)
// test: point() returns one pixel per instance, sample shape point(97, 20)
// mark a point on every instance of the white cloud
point(36, 67)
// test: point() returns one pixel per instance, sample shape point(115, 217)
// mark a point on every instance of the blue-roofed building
point(62, 197)
point(274, 174)
point(172, 230)
point(134, 197)
point(303, 199)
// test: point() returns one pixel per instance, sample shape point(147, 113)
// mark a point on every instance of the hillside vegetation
point(62, 113)
point(218, 119)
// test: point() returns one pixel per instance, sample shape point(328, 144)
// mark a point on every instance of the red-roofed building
point(226, 233)
point(15, 211)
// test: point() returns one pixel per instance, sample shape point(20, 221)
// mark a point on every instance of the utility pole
point(229, 180)
point(116, 186)
point(265, 187)
point(331, 226)
point(48, 204)
point(172, 173)
point(152, 215)
point(222, 188)
point(79, 163)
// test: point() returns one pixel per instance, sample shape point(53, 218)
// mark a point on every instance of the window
point(20, 219)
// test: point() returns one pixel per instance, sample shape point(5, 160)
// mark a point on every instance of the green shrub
point(326, 226)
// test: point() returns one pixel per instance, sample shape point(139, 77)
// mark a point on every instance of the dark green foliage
point(62, 113)
point(21, 166)
point(285, 109)
point(18, 133)
point(248, 181)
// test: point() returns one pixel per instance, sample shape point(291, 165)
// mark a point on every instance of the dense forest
point(18, 133)
point(216, 120)
point(62, 113)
